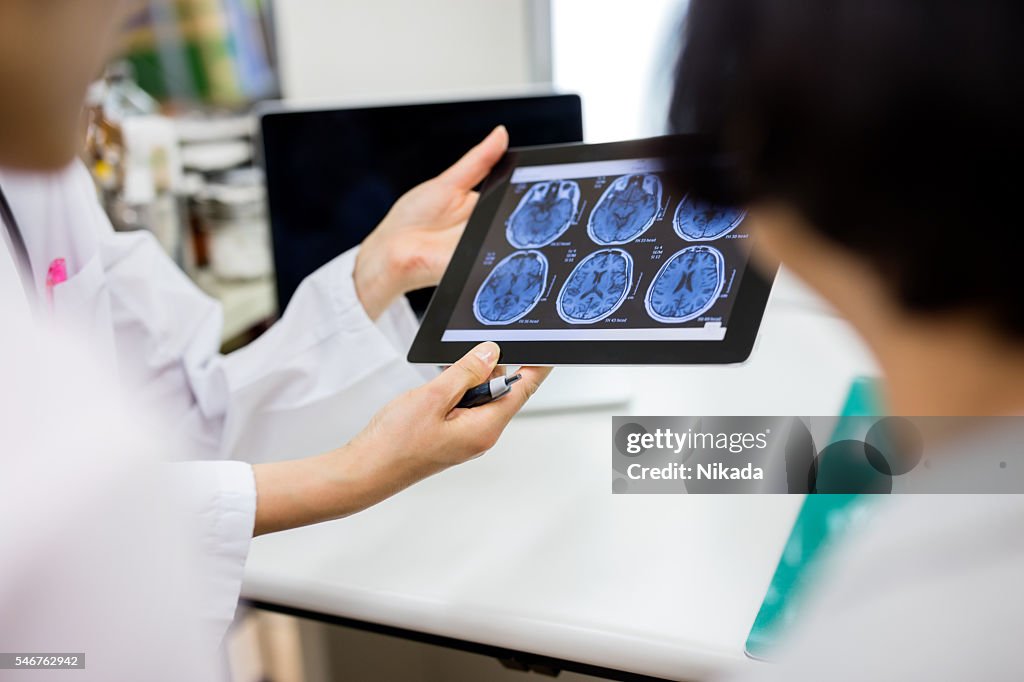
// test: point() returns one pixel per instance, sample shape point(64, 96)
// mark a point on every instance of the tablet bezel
point(744, 319)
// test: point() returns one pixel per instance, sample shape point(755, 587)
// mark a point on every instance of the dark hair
point(896, 128)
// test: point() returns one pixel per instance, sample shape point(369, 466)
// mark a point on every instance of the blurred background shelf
point(248, 304)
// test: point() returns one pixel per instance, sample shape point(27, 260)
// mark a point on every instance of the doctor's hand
point(418, 434)
point(423, 430)
point(411, 247)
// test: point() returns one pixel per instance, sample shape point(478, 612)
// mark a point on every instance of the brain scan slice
point(700, 221)
point(626, 209)
point(596, 287)
point(512, 289)
point(543, 214)
point(687, 285)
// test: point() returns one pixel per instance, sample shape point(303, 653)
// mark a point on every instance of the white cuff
point(222, 498)
point(398, 323)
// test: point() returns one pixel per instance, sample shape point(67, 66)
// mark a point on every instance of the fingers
point(504, 409)
point(467, 172)
point(471, 369)
point(435, 252)
point(480, 427)
point(464, 210)
point(513, 401)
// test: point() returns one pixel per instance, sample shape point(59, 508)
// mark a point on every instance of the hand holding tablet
point(599, 254)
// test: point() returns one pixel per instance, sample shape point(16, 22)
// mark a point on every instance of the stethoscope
point(21, 259)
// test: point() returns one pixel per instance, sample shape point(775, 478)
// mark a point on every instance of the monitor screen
point(332, 175)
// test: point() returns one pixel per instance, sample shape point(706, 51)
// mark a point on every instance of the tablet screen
point(609, 250)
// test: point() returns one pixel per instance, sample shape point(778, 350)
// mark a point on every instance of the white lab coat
point(928, 590)
point(309, 383)
point(95, 558)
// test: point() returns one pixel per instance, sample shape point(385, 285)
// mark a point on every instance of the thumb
point(473, 167)
point(471, 369)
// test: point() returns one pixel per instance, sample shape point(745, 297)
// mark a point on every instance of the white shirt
point(151, 331)
point(929, 590)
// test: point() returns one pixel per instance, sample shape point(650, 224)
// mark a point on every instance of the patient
point(879, 148)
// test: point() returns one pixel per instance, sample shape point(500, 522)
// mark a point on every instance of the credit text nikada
point(714, 471)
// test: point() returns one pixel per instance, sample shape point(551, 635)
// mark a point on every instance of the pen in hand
point(488, 391)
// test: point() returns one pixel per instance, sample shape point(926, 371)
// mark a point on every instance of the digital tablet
point(599, 254)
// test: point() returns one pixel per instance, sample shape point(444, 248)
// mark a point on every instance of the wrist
point(359, 475)
point(330, 486)
point(374, 287)
point(370, 466)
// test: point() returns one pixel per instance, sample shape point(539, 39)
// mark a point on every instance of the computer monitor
point(333, 174)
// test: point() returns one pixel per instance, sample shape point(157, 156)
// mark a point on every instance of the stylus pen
point(488, 391)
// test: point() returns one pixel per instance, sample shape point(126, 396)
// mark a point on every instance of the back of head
point(895, 127)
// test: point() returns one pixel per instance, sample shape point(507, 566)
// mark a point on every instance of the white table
point(526, 549)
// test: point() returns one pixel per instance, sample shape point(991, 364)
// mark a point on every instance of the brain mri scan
point(512, 289)
point(543, 214)
point(626, 209)
point(596, 287)
point(687, 285)
point(699, 221)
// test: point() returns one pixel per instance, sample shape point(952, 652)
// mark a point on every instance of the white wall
point(382, 49)
point(618, 55)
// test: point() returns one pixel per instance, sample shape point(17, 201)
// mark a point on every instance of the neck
point(952, 369)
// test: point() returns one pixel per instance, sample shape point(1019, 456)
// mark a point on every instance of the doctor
point(338, 350)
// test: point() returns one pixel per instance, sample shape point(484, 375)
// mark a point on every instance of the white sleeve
point(221, 496)
point(325, 360)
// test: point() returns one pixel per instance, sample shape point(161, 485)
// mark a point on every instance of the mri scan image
point(543, 214)
point(687, 285)
point(626, 209)
point(699, 221)
point(512, 289)
point(596, 287)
